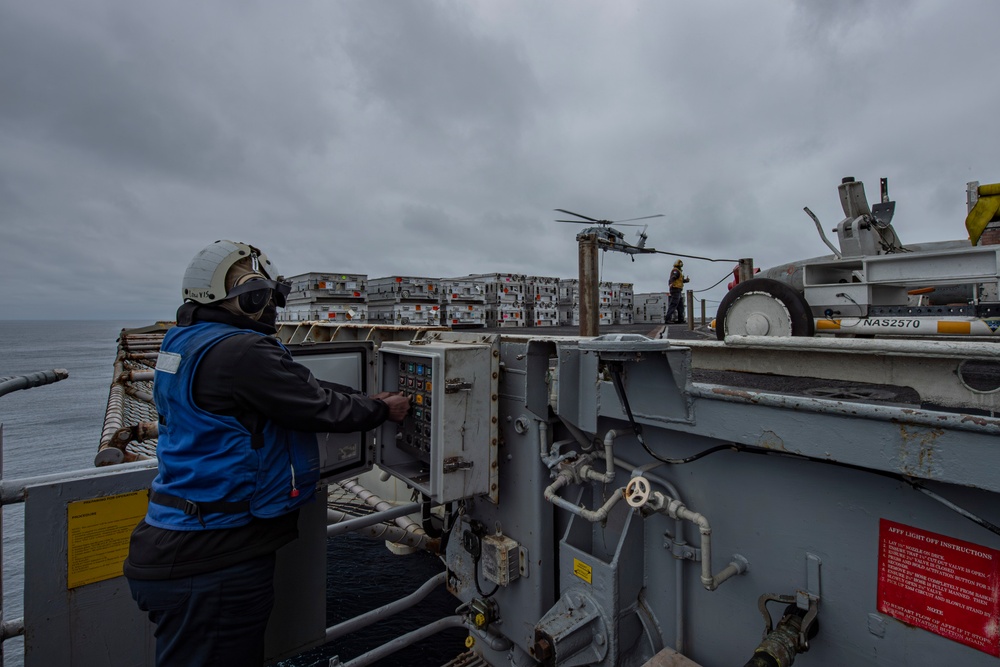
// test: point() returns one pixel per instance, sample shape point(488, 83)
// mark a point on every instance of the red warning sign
point(941, 584)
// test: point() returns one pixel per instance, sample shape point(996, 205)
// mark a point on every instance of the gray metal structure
point(872, 284)
point(640, 516)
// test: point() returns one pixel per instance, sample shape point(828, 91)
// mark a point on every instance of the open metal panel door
point(348, 363)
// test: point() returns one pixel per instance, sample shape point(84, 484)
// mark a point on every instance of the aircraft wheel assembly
point(763, 307)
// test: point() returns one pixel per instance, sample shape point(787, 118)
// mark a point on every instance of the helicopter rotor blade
point(581, 222)
point(562, 210)
point(645, 217)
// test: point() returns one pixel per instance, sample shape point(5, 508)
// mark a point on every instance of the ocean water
point(57, 428)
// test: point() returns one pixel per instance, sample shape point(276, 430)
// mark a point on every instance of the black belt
point(192, 508)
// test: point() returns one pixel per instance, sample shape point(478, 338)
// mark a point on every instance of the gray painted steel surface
point(792, 495)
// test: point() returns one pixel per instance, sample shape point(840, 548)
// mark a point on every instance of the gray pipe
point(404, 522)
point(402, 642)
point(592, 516)
point(385, 611)
point(884, 413)
point(16, 382)
point(608, 475)
point(371, 519)
point(388, 533)
point(494, 640)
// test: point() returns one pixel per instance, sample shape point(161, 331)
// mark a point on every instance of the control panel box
point(446, 447)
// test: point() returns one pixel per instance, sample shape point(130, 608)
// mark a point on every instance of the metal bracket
point(803, 598)
point(456, 385)
point(682, 550)
point(455, 464)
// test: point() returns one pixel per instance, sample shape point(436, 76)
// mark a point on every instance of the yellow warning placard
point(583, 571)
point(98, 534)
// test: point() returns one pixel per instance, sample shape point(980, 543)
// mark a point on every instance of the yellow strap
point(982, 214)
point(989, 190)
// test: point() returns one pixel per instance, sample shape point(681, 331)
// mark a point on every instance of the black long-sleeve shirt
point(253, 379)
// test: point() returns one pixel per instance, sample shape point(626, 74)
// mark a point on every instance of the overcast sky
point(436, 138)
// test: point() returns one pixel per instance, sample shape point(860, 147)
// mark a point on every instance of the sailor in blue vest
point(237, 457)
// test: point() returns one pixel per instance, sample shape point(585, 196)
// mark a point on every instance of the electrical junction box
point(446, 447)
point(500, 559)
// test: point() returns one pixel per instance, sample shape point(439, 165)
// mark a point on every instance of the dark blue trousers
point(675, 304)
point(211, 620)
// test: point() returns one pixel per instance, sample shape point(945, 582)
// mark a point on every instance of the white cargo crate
point(466, 290)
point(423, 314)
point(501, 288)
point(569, 291)
point(605, 295)
point(624, 316)
point(457, 314)
point(505, 315)
point(651, 307)
point(339, 286)
point(622, 294)
point(541, 290)
point(569, 315)
point(356, 313)
point(403, 288)
point(543, 316)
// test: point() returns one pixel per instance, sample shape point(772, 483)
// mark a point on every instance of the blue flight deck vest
point(212, 462)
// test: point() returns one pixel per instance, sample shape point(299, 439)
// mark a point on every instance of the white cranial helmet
point(205, 277)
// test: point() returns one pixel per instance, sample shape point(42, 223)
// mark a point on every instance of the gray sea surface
point(57, 428)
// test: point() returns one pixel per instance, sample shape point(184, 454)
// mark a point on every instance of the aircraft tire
point(764, 307)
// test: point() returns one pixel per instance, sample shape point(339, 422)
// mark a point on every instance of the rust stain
point(771, 440)
point(738, 393)
point(978, 421)
point(916, 450)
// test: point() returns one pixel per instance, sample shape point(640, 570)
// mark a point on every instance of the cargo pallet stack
point(504, 298)
point(542, 296)
point(623, 303)
point(404, 300)
point(463, 303)
point(569, 303)
point(651, 307)
point(327, 297)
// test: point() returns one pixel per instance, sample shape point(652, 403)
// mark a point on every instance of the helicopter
point(609, 238)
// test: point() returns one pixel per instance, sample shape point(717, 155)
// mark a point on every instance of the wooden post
point(690, 310)
point(589, 314)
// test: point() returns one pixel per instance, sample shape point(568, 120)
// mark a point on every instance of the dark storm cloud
point(435, 138)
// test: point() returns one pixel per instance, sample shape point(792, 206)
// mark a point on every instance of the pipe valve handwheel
point(637, 491)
